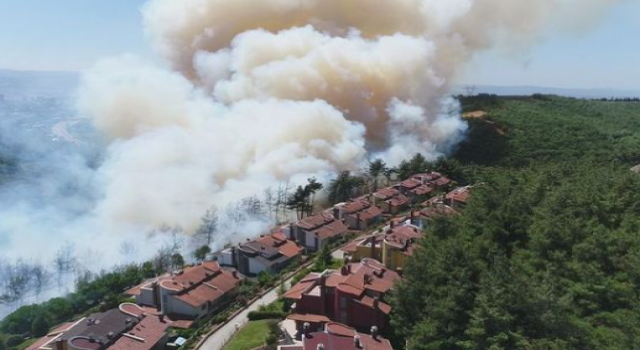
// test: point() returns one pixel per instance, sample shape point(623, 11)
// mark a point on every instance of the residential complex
point(190, 293)
point(127, 328)
point(269, 253)
point(392, 246)
point(315, 231)
point(336, 336)
point(353, 295)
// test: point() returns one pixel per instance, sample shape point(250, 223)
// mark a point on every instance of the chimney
point(234, 273)
point(358, 221)
point(374, 332)
point(336, 213)
point(373, 247)
point(59, 344)
point(357, 342)
point(412, 217)
point(392, 223)
point(234, 256)
point(155, 290)
point(305, 330)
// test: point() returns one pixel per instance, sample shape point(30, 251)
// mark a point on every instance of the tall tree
point(201, 253)
point(298, 202)
point(312, 187)
point(208, 226)
point(344, 187)
point(376, 169)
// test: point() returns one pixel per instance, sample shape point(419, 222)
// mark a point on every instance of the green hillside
point(547, 254)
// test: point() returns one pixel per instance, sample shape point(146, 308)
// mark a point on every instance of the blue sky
point(72, 34)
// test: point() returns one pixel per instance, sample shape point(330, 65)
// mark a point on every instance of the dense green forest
point(547, 253)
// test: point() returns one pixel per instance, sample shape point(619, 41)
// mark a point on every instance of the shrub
point(40, 327)
point(13, 340)
point(265, 315)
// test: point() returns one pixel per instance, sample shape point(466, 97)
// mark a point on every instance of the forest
point(547, 253)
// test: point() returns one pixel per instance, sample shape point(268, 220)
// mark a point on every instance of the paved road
point(219, 338)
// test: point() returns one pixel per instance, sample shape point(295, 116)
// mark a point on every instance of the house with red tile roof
point(190, 293)
point(390, 200)
point(353, 295)
point(127, 328)
point(407, 185)
point(269, 253)
point(358, 214)
point(435, 209)
point(315, 231)
point(336, 336)
point(392, 246)
point(433, 179)
point(459, 197)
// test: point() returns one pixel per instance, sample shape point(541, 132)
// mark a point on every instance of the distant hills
point(15, 84)
point(530, 90)
point(21, 84)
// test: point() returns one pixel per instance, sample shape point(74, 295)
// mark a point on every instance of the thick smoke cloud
point(255, 92)
point(251, 94)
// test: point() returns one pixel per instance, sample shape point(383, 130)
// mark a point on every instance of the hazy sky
point(72, 34)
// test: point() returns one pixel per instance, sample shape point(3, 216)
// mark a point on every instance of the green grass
point(276, 306)
point(251, 336)
point(25, 344)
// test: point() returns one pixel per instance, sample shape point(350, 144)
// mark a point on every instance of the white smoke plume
point(254, 92)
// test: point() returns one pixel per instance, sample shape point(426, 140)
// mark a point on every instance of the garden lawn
point(253, 335)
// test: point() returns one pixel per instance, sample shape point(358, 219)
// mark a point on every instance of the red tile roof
point(370, 302)
point(438, 209)
point(355, 206)
point(441, 181)
point(426, 177)
point(367, 274)
point(422, 190)
point(308, 282)
point(197, 285)
point(352, 247)
point(402, 236)
point(277, 241)
point(143, 336)
point(398, 200)
point(147, 330)
point(309, 318)
point(332, 229)
point(386, 193)
point(209, 290)
point(410, 184)
point(340, 337)
point(368, 214)
point(460, 194)
point(315, 221)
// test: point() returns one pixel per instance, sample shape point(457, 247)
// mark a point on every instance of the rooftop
point(340, 337)
point(127, 328)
